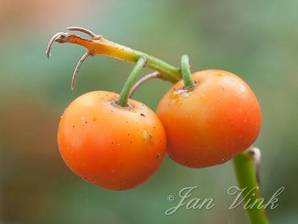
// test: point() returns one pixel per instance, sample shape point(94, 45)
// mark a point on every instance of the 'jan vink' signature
point(241, 197)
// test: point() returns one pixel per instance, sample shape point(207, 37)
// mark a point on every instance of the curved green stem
point(167, 71)
point(186, 73)
point(133, 76)
point(245, 170)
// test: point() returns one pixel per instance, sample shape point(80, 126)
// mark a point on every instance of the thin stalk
point(186, 73)
point(245, 170)
point(132, 78)
point(145, 78)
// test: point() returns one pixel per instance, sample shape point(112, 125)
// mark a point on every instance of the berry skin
point(211, 123)
point(113, 147)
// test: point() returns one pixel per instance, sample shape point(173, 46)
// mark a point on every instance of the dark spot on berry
point(73, 126)
point(157, 156)
point(143, 115)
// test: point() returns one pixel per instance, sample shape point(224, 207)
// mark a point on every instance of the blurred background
point(255, 39)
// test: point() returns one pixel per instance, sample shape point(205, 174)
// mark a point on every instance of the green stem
point(132, 78)
point(186, 73)
point(245, 170)
point(167, 71)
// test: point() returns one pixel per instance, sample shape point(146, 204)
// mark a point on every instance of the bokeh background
point(256, 39)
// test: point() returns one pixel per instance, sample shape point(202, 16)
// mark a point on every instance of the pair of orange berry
point(120, 147)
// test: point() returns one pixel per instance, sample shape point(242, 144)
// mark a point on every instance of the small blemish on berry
point(146, 135)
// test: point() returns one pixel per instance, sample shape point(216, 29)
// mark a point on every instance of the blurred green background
point(257, 40)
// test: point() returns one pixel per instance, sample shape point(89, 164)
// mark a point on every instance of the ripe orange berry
point(111, 146)
point(212, 122)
